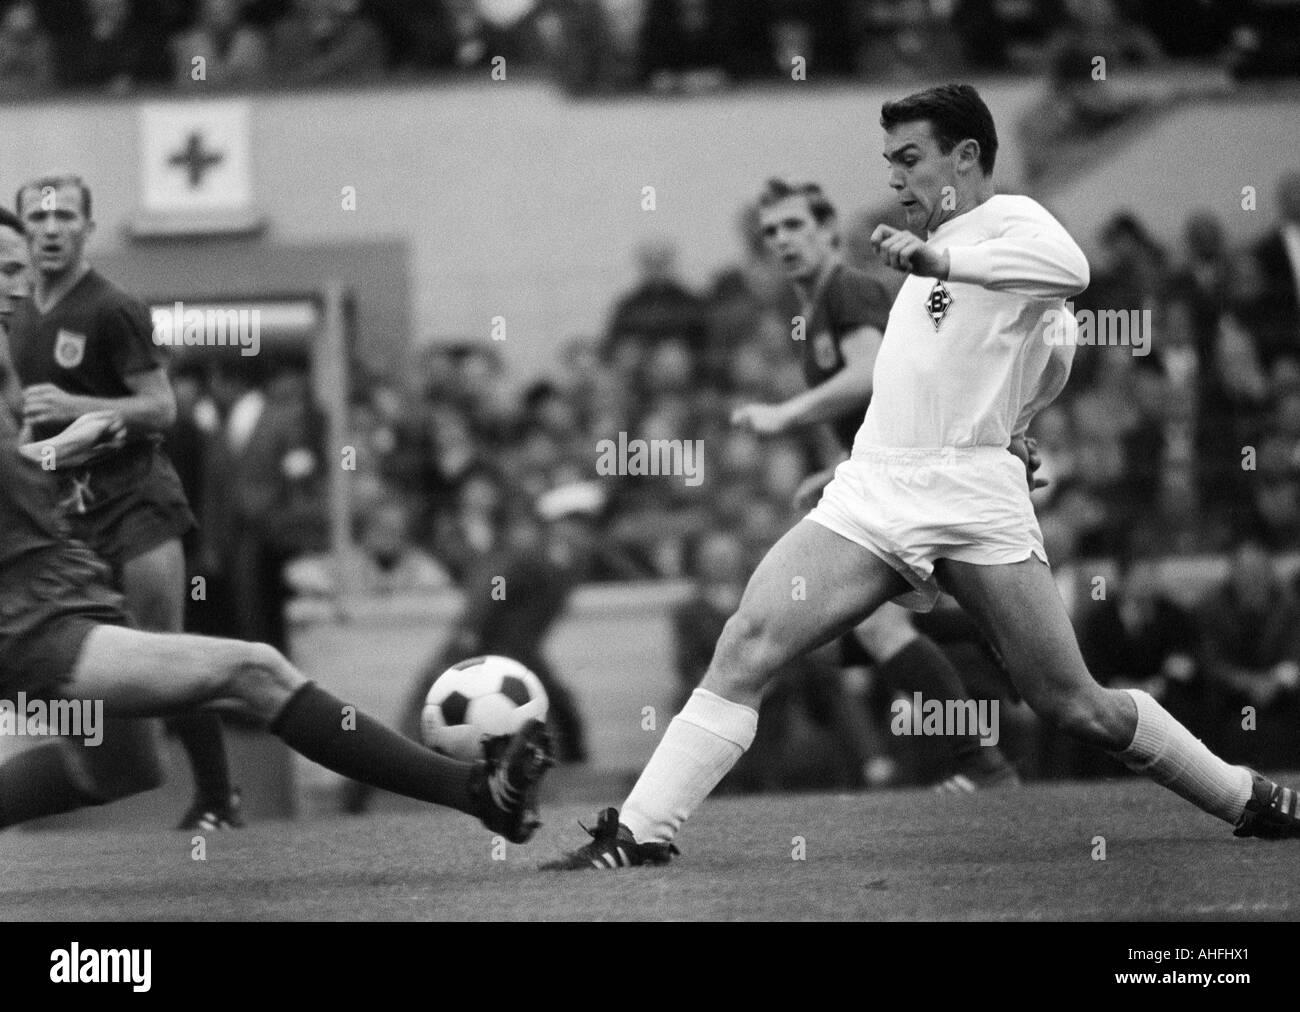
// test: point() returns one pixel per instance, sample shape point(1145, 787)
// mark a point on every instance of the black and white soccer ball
point(478, 699)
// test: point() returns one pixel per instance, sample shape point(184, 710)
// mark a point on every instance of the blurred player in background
point(513, 597)
point(81, 344)
point(930, 494)
point(844, 317)
point(64, 635)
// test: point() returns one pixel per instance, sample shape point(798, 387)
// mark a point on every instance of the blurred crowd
point(609, 45)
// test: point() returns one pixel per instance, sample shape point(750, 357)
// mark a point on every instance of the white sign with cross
point(195, 157)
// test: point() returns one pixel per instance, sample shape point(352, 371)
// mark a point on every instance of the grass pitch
point(1027, 854)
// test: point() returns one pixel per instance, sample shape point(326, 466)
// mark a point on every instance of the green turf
point(1019, 854)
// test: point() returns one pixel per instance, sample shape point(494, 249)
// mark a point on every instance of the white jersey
point(963, 360)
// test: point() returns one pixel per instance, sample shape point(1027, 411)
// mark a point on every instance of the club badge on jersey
point(69, 349)
point(937, 303)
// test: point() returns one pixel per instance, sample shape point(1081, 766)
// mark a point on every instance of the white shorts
point(913, 506)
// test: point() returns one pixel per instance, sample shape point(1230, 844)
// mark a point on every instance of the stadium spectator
point(1275, 316)
point(1265, 39)
point(660, 307)
point(1273, 491)
point(1139, 637)
point(682, 46)
point(385, 559)
point(1197, 30)
point(26, 53)
point(267, 492)
point(114, 45)
point(1207, 265)
point(327, 41)
point(1001, 36)
point(220, 49)
point(1251, 652)
point(473, 528)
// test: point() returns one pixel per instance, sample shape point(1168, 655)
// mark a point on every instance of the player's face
point(794, 238)
point(919, 173)
point(15, 278)
point(57, 228)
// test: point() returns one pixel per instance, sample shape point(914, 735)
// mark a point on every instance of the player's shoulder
point(105, 292)
point(1018, 206)
point(107, 298)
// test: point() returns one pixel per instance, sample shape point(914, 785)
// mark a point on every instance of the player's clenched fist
point(903, 251)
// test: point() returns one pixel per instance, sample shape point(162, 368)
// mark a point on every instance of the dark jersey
point(30, 518)
point(845, 300)
point(88, 344)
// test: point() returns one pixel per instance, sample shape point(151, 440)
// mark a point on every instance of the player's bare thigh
point(811, 586)
point(140, 674)
point(886, 631)
point(154, 585)
point(1020, 609)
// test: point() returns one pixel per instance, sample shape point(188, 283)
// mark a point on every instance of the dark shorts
point(127, 505)
point(853, 654)
point(49, 602)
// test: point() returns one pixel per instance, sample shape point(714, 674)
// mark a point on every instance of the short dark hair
point(777, 190)
point(55, 182)
point(955, 112)
point(10, 220)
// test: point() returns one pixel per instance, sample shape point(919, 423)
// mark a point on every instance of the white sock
point(701, 744)
point(1169, 754)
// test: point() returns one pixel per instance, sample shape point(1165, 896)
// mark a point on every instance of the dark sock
point(38, 782)
point(312, 723)
point(201, 735)
point(923, 667)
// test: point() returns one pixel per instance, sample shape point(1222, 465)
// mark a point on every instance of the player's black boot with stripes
point(612, 846)
point(1272, 813)
point(506, 784)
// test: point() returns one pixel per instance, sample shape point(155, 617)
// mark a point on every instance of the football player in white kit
point(929, 495)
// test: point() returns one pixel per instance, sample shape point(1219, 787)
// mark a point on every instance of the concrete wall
point(1198, 156)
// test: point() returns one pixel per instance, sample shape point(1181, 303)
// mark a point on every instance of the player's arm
point(87, 436)
point(126, 330)
point(1031, 255)
point(847, 390)
point(1055, 374)
point(150, 407)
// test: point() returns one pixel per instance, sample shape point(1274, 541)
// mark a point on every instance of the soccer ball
point(477, 699)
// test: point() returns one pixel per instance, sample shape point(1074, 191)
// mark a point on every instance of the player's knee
point(259, 675)
point(745, 655)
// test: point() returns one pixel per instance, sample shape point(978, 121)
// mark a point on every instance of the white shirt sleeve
point(1031, 255)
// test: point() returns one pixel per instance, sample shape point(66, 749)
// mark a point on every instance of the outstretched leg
point(812, 586)
point(1021, 610)
point(139, 674)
